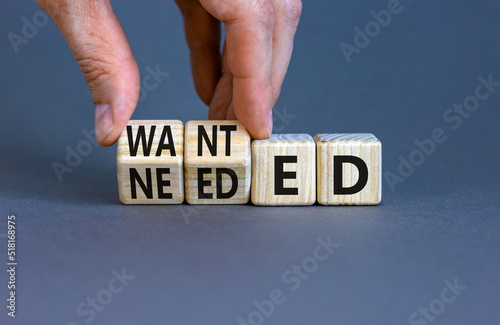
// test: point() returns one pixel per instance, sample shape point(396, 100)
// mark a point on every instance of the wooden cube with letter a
point(349, 169)
point(217, 166)
point(284, 170)
point(150, 162)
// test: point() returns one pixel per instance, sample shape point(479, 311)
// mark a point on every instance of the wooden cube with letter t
point(284, 170)
point(349, 169)
point(217, 166)
point(149, 162)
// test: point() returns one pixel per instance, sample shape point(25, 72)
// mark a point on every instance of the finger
point(96, 39)
point(231, 115)
point(287, 19)
point(203, 38)
point(223, 95)
point(249, 36)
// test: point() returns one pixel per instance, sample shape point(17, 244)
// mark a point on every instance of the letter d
point(338, 173)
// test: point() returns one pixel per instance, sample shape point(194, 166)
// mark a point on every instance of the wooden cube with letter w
point(150, 162)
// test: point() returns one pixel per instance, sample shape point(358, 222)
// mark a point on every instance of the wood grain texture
point(266, 190)
point(237, 160)
point(125, 161)
point(362, 145)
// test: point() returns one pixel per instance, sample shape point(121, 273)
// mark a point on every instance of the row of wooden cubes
point(216, 162)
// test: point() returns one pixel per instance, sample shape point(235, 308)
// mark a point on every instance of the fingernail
point(270, 123)
point(103, 121)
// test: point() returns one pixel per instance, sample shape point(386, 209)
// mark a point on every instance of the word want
point(216, 162)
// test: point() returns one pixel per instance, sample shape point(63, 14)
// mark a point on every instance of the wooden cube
point(149, 162)
point(349, 169)
point(217, 166)
point(284, 170)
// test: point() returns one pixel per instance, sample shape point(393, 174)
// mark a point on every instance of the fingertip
point(110, 120)
point(253, 101)
point(114, 109)
point(259, 134)
point(260, 126)
point(103, 124)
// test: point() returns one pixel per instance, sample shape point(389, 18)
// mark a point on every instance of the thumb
point(97, 40)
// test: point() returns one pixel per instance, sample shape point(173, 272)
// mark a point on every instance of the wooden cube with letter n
point(149, 162)
point(284, 170)
point(349, 169)
point(217, 166)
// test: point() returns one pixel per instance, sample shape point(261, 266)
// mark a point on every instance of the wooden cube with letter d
point(349, 169)
point(217, 166)
point(149, 162)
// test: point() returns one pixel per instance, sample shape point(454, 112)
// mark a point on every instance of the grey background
point(206, 265)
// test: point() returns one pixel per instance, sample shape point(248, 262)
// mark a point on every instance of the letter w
point(141, 136)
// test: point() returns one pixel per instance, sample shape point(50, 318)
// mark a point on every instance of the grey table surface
point(215, 264)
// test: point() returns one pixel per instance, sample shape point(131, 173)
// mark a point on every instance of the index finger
point(249, 39)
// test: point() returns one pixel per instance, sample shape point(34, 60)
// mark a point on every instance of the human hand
point(242, 83)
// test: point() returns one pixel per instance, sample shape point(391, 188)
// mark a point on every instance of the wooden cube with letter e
point(349, 169)
point(149, 162)
point(284, 170)
point(217, 166)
